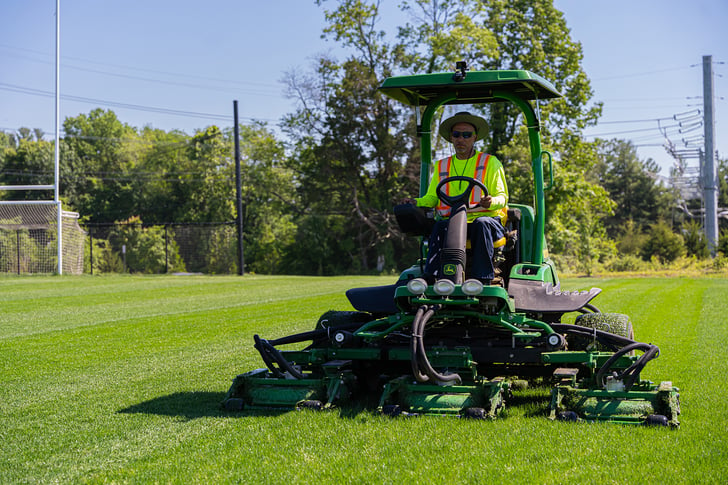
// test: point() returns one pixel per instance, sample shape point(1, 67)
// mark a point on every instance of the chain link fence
point(29, 239)
point(203, 248)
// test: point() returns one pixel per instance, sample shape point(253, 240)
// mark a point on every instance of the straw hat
point(481, 126)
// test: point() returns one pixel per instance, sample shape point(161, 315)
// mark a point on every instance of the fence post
point(91, 248)
point(166, 249)
point(17, 246)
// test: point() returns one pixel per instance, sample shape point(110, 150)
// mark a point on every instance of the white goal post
point(31, 240)
point(18, 213)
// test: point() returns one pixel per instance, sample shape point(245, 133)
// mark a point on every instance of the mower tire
point(614, 323)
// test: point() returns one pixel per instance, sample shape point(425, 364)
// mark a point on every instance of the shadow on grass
point(194, 405)
point(191, 405)
point(199, 404)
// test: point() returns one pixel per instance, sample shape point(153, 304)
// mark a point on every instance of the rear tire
point(333, 319)
point(614, 323)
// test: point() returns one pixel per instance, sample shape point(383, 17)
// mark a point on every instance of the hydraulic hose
point(589, 308)
point(414, 346)
point(632, 372)
point(421, 367)
point(266, 358)
point(269, 354)
point(606, 338)
point(623, 345)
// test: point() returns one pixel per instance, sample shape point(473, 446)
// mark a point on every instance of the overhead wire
point(258, 91)
point(645, 73)
point(153, 71)
point(177, 177)
point(640, 130)
point(102, 102)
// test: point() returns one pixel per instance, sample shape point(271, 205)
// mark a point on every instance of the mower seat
point(377, 300)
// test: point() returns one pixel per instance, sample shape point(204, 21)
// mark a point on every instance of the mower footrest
point(537, 296)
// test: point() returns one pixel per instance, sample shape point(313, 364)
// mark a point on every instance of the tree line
point(318, 198)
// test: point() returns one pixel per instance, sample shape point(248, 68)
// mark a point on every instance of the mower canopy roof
point(472, 87)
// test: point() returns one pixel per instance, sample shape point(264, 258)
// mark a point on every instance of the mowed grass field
point(118, 380)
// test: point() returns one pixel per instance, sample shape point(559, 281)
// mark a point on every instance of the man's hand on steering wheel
point(486, 201)
point(463, 198)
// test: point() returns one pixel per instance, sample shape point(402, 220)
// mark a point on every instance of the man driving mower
point(486, 213)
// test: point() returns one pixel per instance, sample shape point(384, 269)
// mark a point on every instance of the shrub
point(627, 262)
point(695, 241)
point(631, 239)
point(662, 244)
point(723, 242)
point(105, 260)
point(147, 250)
point(720, 262)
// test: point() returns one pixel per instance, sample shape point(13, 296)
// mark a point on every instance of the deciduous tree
point(632, 184)
point(350, 147)
point(96, 167)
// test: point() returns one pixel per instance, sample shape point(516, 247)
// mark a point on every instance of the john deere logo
point(450, 269)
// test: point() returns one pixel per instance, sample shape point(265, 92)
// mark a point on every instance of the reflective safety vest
point(481, 168)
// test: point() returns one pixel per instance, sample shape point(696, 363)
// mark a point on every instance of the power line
point(130, 68)
point(258, 92)
point(136, 107)
point(633, 121)
point(646, 73)
point(626, 132)
point(141, 140)
point(132, 177)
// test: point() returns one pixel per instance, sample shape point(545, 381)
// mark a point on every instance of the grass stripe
point(117, 380)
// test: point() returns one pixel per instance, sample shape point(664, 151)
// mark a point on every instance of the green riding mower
point(457, 346)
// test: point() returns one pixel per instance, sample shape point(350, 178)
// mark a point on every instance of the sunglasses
point(464, 134)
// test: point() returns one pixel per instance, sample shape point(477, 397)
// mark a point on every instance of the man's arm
point(429, 199)
point(497, 186)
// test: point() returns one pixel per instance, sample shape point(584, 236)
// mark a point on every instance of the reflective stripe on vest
point(481, 168)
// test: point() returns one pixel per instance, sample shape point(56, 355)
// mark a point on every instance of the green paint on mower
point(457, 347)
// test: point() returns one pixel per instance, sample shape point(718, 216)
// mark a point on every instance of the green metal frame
point(515, 86)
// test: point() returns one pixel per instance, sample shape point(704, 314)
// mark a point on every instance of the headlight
point(417, 286)
point(444, 287)
point(472, 287)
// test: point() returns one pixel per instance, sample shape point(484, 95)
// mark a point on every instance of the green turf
point(118, 379)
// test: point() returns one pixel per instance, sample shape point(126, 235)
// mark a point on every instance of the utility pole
point(710, 187)
point(239, 191)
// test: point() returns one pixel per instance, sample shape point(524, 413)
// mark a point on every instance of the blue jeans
point(481, 233)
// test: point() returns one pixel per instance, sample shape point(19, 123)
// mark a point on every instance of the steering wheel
point(454, 200)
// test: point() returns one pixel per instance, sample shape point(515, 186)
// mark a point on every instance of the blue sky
point(191, 59)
